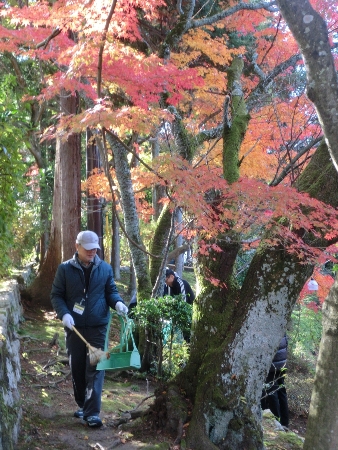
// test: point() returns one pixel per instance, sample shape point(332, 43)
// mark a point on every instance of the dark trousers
point(87, 381)
point(275, 397)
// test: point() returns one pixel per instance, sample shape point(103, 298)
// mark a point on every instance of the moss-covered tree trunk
point(237, 331)
point(235, 121)
point(233, 345)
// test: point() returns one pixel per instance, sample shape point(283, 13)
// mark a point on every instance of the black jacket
point(279, 360)
point(69, 288)
point(180, 286)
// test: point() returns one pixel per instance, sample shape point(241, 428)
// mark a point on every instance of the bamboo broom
point(96, 355)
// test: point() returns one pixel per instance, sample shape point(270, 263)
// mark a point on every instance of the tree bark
point(115, 248)
point(158, 191)
point(66, 209)
point(70, 160)
point(94, 206)
point(40, 289)
point(233, 345)
point(235, 122)
point(179, 262)
point(131, 219)
point(322, 425)
point(311, 34)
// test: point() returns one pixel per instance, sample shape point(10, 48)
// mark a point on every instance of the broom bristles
point(96, 355)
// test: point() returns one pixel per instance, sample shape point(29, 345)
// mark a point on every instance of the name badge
point(78, 308)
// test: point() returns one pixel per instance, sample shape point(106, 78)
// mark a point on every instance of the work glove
point(68, 321)
point(121, 308)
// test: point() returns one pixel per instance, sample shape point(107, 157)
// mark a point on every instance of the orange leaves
point(274, 135)
point(248, 206)
point(198, 43)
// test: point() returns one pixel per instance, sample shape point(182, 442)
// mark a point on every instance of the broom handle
point(81, 337)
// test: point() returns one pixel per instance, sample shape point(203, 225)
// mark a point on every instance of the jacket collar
point(75, 261)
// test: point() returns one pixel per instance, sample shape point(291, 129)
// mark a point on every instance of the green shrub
point(168, 319)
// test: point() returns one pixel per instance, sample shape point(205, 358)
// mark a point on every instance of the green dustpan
point(121, 357)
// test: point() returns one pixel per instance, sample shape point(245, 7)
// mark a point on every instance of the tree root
point(131, 415)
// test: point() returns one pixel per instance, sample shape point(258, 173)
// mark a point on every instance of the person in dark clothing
point(174, 285)
point(132, 303)
point(82, 294)
point(274, 393)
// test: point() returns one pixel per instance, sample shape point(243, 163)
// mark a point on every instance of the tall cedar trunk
point(40, 288)
point(66, 210)
point(70, 153)
point(94, 207)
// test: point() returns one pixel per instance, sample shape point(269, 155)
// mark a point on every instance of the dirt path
point(48, 404)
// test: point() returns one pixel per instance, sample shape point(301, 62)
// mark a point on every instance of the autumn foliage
point(114, 56)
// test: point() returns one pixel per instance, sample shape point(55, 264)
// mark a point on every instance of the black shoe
point(79, 414)
point(93, 421)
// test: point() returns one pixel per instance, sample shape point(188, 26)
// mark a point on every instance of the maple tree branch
point(46, 41)
point(118, 140)
point(210, 116)
point(290, 166)
point(210, 150)
point(310, 31)
point(102, 44)
point(273, 40)
point(267, 79)
point(16, 68)
point(129, 150)
point(240, 6)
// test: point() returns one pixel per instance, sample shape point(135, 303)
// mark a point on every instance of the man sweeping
point(82, 293)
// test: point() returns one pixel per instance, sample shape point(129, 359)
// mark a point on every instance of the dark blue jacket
point(279, 360)
point(69, 288)
point(182, 287)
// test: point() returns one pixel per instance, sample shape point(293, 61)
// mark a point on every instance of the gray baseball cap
point(88, 240)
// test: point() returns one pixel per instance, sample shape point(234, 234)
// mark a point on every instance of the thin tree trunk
point(179, 263)
point(94, 206)
point(115, 248)
point(158, 191)
point(131, 219)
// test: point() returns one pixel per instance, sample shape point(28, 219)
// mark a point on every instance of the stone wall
point(10, 369)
